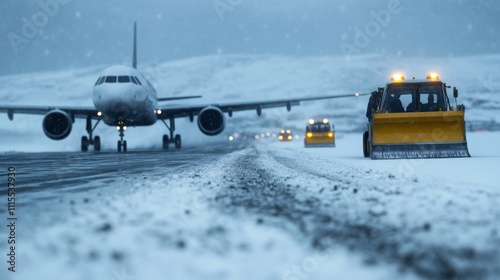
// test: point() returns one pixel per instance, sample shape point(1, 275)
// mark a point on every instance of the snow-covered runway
point(266, 210)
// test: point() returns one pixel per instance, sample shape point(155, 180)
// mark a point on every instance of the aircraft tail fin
point(134, 57)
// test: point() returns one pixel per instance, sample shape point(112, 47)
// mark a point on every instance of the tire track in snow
point(351, 206)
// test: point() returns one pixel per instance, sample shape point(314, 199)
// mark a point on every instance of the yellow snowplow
point(319, 133)
point(414, 119)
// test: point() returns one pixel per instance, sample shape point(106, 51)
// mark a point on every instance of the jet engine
point(211, 121)
point(57, 124)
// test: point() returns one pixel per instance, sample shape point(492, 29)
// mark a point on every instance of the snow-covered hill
point(229, 78)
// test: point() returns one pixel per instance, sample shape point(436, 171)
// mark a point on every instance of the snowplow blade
point(320, 140)
point(419, 135)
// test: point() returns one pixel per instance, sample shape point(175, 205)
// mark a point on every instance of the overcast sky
point(41, 35)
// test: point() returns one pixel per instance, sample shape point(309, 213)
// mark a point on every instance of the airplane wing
point(193, 110)
point(77, 112)
point(172, 111)
point(177, 98)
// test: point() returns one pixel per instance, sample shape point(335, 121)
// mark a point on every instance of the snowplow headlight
point(398, 77)
point(288, 131)
point(325, 121)
point(289, 137)
point(309, 135)
point(330, 134)
point(432, 76)
point(280, 137)
point(311, 121)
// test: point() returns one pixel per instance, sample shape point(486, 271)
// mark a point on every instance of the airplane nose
point(138, 95)
point(124, 94)
point(119, 102)
point(121, 111)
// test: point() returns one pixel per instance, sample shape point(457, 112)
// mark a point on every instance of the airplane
point(123, 97)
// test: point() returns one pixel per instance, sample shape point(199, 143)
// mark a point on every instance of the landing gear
point(97, 143)
point(122, 144)
point(87, 141)
point(165, 142)
point(176, 140)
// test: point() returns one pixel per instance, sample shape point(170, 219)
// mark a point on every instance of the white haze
point(85, 33)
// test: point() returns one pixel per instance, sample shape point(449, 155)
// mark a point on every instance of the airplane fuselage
point(124, 97)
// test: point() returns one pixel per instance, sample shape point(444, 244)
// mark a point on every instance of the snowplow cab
point(414, 119)
point(319, 133)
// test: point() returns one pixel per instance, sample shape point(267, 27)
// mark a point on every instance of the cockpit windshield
point(100, 81)
point(123, 79)
point(111, 79)
point(119, 79)
point(135, 80)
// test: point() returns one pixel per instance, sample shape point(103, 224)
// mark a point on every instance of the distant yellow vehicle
point(319, 133)
point(285, 135)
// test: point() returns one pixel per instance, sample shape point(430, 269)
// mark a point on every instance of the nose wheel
point(122, 144)
point(89, 140)
point(176, 140)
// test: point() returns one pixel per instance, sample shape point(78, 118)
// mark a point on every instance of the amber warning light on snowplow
point(398, 77)
point(432, 76)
